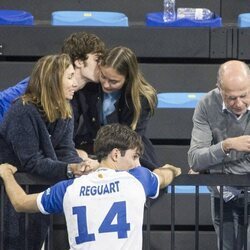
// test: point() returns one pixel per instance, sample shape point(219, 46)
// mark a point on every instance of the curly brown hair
point(79, 44)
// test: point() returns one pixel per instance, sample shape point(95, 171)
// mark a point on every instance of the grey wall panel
point(145, 42)
point(164, 77)
point(173, 154)
point(181, 77)
point(184, 240)
point(243, 43)
point(170, 124)
point(230, 9)
point(60, 235)
point(13, 72)
point(60, 239)
point(219, 38)
point(184, 205)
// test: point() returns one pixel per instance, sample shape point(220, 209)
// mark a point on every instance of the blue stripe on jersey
point(148, 180)
point(52, 198)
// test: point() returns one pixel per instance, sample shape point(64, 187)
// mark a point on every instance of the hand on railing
point(6, 169)
point(166, 174)
point(176, 171)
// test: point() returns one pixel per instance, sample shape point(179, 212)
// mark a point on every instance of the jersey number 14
point(117, 209)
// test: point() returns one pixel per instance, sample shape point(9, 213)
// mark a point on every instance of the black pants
point(233, 223)
point(14, 229)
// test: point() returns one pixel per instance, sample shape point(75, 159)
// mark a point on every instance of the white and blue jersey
point(104, 209)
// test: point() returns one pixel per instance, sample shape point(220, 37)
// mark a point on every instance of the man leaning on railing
point(221, 143)
point(103, 209)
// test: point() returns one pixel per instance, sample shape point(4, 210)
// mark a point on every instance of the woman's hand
point(82, 154)
point(85, 167)
point(91, 165)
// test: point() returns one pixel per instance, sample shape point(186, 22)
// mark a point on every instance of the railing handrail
point(184, 179)
point(30, 179)
point(213, 180)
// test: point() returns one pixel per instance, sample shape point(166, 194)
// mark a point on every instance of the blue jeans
point(233, 223)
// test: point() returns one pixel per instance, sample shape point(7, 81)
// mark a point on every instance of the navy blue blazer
point(87, 106)
point(36, 146)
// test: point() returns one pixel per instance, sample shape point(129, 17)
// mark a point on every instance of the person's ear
point(78, 63)
point(115, 154)
point(137, 162)
point(218, 86)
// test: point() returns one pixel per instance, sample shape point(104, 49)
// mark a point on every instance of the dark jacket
point(87, 105)
point(36, 146)
point(40, 148)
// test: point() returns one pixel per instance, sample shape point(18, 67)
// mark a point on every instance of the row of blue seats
point(100, 18)
point(179, 99)
point(74, 18)
point(188, 189)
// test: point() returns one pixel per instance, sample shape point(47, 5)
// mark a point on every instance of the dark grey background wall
point(164, 77)
point(172, 60)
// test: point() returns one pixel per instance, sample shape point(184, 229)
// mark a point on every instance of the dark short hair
point(116, 136)
point(79, 44)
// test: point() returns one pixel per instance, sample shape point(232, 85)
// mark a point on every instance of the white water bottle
point(194, 13)
point(169, 14)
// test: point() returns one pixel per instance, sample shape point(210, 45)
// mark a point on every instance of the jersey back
point(103, 210)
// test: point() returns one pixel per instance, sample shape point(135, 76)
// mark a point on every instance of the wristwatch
point(70, 174)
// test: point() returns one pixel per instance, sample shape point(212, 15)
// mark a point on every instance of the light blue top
point(108, 105)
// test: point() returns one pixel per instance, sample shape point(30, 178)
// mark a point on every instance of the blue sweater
point(36, 146)
point(7, 96)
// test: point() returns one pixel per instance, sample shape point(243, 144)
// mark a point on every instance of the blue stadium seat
point(178, 100)
point(244, 20)
point(16, 17)
point(156, 19)
point(189, 189)
point(89, 18)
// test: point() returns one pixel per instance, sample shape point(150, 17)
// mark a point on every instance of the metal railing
point(220, 180)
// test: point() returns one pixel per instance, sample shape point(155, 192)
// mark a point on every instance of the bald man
point(221, 143)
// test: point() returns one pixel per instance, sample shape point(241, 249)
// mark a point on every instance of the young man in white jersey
point(103, 209)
